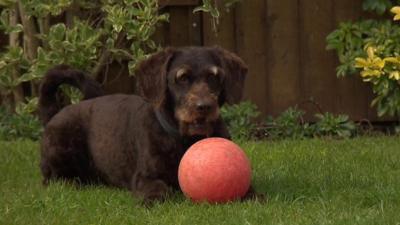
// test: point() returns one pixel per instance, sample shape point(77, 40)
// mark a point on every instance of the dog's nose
point(203, 106)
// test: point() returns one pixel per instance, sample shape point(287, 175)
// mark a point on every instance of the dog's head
point(192, 83)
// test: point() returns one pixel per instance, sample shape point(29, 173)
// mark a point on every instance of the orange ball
point(215, 170)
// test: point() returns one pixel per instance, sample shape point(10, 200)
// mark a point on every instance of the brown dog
point(137, 142)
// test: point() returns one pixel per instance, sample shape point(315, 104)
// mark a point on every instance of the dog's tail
point(49, 105)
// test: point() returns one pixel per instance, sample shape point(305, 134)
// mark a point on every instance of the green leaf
point(57, 32)
point(7, 3)
point(201, 9)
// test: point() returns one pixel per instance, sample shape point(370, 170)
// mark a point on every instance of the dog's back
point(83, 136)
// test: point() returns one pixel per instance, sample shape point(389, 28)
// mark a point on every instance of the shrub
point(240, 119)
point(330, 125)
point(242, 124)
point(383, 72)
point(88, 35)
point(287, 125)
point(290, 124)
point(21, 124)
point(93, 35)
point(371, 48)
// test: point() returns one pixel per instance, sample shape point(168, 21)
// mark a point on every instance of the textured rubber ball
point(215, 170)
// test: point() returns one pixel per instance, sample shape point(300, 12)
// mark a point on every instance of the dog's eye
point(214, 73)
point(212, 78)
point(182, 76)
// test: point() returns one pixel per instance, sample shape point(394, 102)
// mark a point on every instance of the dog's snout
point(204, 106)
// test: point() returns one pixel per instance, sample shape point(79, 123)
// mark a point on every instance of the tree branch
point(103, 60)
point(17, 91)
point(44, 28)
point(105, 57)
point(71, 13)
point(31, 42)
point(30, 33)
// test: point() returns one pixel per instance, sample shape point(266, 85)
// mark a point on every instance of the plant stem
point(17, 91)
point(104, 58)
point(31, 42)
point(70, 14)
point(105, 55)
point(44, 28)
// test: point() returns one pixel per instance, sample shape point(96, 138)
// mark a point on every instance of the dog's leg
point(149, 188)
point(65, 155)
point(255, 196)
point(221, 130)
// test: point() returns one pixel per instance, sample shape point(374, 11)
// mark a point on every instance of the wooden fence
point(283, 43)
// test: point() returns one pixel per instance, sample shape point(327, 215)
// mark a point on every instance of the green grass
point(353, 181)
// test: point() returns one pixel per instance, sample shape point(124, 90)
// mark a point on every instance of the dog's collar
point(169, 128)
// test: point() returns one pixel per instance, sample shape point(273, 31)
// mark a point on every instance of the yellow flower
point(394, 75)
point(377, 63)
point(370, 73)
point(396, 10)
point(371, 52)
point(361, 63)
point(394, 60)
point(373, 63)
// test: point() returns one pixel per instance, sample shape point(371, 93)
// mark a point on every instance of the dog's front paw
point(158, 190)
point(152, 191)
point(254, 196)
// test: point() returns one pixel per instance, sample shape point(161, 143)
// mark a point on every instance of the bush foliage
point(20, 125)
point(88, 35)
point(240, 119)
point(371, 48)
point(243, 123)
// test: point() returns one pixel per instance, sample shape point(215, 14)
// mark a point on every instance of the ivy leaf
point(7, 3)
point(379, 6)
point(57, 32)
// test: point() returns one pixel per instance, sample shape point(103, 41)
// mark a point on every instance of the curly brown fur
point(137, 142)
point(63, 74)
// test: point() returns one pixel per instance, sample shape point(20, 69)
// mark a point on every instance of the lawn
point(319, 181)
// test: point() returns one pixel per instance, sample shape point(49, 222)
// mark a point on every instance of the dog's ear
point(235, 74)
point(151, 76)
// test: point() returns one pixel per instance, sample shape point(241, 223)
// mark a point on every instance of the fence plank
point(353, 93)
point(178, 29)
point(194, 27)
point(252, 47)
point(283, 55)
point(317, 65)
point(224, 35)
point(183, 29)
